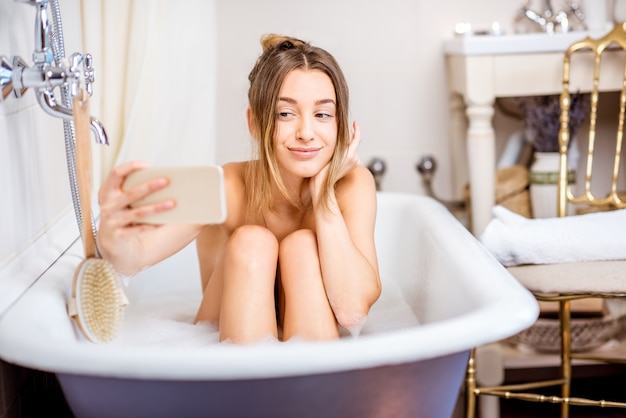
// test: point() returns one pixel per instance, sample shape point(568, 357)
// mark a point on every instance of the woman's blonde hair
point(281, 55)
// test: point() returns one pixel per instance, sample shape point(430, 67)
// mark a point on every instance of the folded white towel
point(514, 239)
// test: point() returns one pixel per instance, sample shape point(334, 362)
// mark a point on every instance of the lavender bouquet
point(541, 119)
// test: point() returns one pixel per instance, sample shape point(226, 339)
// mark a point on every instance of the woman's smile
point(304, 153)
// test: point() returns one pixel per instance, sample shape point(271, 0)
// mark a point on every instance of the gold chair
point(567, 282)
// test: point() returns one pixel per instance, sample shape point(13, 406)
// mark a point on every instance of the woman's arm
point(346, 248)
point(122, 239)
point(345, 236)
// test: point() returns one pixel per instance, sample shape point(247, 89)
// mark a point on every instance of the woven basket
point(587, 334)
point(511, 191)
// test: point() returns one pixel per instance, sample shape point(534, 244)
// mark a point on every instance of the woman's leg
point(306, 310)
point(241, 290)
point(211, 304)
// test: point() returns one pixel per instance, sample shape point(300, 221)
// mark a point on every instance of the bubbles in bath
point(165, 325)
point(355, 330)
point(353, 326)
point(353, 323)
point(156, 316)
point(270, 339)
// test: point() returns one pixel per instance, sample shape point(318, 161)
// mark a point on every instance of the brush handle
point(80, 111)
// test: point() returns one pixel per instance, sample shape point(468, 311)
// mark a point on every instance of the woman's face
point(306, 124)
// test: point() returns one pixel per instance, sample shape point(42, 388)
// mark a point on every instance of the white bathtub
point(447, 293)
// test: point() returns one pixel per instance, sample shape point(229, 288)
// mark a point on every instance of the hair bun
point(281, 42)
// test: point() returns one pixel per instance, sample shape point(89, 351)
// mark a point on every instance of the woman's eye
point(284, 115)
point(322, 115)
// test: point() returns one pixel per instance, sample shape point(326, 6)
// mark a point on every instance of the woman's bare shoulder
point(234, 177)
point(359, 180)
point(356, 191)
point(235, 184)
point(237, 169)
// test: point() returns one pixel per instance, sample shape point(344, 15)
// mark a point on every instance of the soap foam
point(168, 319)
point(165, 325)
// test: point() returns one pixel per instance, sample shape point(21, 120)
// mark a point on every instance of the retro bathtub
point(442, 295)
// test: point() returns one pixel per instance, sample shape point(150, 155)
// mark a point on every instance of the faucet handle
point(74, 73)
point(88, 72)
point(11, 76)
point(6, 77)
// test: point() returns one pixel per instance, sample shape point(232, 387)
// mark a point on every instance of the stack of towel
point(514, 239)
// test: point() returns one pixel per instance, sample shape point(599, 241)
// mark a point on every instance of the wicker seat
point(566, 282)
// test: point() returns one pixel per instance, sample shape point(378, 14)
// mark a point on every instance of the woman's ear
point(251, 122)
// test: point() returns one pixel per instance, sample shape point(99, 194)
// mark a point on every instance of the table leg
point(481, 152)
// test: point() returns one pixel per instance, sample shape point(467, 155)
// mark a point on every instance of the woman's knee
point(253, 236)
point(302, 242)
point(251, 244)
point(299, 260)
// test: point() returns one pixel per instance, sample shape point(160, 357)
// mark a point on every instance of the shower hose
point(58, 51)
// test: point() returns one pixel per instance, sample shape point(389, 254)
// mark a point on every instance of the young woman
point(295, 256)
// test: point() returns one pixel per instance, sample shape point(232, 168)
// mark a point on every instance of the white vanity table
point(481, 68)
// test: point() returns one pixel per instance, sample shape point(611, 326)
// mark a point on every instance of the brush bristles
point(100, 304)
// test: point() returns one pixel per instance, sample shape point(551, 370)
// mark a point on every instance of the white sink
point(514, 44)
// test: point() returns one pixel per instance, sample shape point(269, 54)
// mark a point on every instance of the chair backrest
point(614, 40)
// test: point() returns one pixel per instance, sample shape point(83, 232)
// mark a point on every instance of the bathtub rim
point(223, 362)
point(34, 350)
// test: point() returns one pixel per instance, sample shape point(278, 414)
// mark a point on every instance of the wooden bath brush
point(98, 301)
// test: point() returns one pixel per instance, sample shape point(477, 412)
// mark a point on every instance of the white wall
point(391, 53)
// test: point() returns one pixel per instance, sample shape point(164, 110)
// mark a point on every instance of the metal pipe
point(426, 167)
point(377, 167)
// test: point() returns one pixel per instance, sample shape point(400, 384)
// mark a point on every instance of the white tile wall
point(33, 173)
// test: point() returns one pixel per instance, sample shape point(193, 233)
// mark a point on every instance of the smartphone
point(198, 191)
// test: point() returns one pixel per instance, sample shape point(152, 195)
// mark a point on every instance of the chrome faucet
point(44, 76)
point(549, 20)
point(377, 167)
point(426, 167)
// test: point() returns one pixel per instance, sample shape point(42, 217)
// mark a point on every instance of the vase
point(543, 177)
point(596, 14)
point(619, 11)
